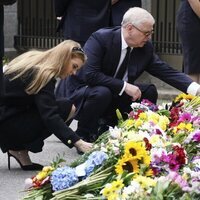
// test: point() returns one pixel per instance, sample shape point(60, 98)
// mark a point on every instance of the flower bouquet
point(154, 154)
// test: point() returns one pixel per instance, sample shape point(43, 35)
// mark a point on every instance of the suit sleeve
point(48, 109)
point(94, 74)
point(169, 75)
point(60, 7)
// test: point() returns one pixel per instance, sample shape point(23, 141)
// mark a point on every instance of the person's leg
point(123, 104)
point(97, 100)
point(149, 91)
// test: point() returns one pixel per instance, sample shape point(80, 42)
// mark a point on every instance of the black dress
point(188, 26)
point(26, 120)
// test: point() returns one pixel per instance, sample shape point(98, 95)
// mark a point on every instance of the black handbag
point(7, 2)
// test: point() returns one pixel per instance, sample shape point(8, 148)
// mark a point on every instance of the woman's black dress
point(188, 26)
point(26, 120)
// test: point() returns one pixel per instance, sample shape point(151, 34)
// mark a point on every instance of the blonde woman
point(29, 112)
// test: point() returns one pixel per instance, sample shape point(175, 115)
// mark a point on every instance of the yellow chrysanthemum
point(128, 123)
point(163, 122)
point(117, 185)
point(184, 96)
point(189, 127)
point(145, 182)
point(111, 190)
point(143, 116)
point(175, 129)
point(138, 123)
point(108, 190)
point(124, 164)
point(181, 126)
point(153, 117)
point(134, 150)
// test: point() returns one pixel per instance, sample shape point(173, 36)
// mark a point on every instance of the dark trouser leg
point(149, 92)
point(123, 103)
point(97, 100)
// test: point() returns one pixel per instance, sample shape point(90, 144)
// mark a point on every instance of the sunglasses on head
point(74, 49)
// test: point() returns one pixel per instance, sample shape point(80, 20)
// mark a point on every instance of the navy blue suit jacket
point(103, 49)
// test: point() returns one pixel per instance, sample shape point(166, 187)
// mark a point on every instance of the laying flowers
point(154, 154)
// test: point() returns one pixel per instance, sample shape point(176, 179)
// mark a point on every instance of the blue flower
point(63, 177)
point(96, 158)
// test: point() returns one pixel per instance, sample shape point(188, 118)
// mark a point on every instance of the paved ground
point(12, 182)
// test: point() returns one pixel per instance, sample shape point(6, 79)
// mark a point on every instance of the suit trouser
point(99, 102)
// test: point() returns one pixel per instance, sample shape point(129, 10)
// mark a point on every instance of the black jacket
point(17, 101)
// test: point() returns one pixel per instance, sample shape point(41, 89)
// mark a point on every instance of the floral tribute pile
point(154, 154)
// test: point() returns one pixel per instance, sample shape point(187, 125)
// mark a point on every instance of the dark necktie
point(123, 66)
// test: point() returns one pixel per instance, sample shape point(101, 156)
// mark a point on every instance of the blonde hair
point(44, 65)
point(137, 16)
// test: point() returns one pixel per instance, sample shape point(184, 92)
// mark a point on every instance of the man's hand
point(133, 91)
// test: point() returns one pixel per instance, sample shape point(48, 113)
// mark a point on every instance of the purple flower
point(63, 177)
point(196, 137)
point(149, 104)
point(175, 177)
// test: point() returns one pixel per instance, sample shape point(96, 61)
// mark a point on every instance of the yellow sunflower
point(125, 164)
point(146, 159)
point(134, 150)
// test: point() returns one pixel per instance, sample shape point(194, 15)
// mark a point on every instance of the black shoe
point(32, 167)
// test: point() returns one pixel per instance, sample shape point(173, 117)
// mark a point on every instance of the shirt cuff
point(193, 88)
point(121, 92)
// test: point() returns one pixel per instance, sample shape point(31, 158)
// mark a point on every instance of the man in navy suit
point(80, 18)
point(96, 91)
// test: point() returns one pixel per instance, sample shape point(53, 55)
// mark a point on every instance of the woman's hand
point(83, 146)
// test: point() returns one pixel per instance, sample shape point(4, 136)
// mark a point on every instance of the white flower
point(115, 132)
point(28, 183)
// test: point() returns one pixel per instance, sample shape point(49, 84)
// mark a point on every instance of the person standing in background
point(2, 3)
point(119, 7)
point(80, 18)
point(1, 48)
point(188, 27)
